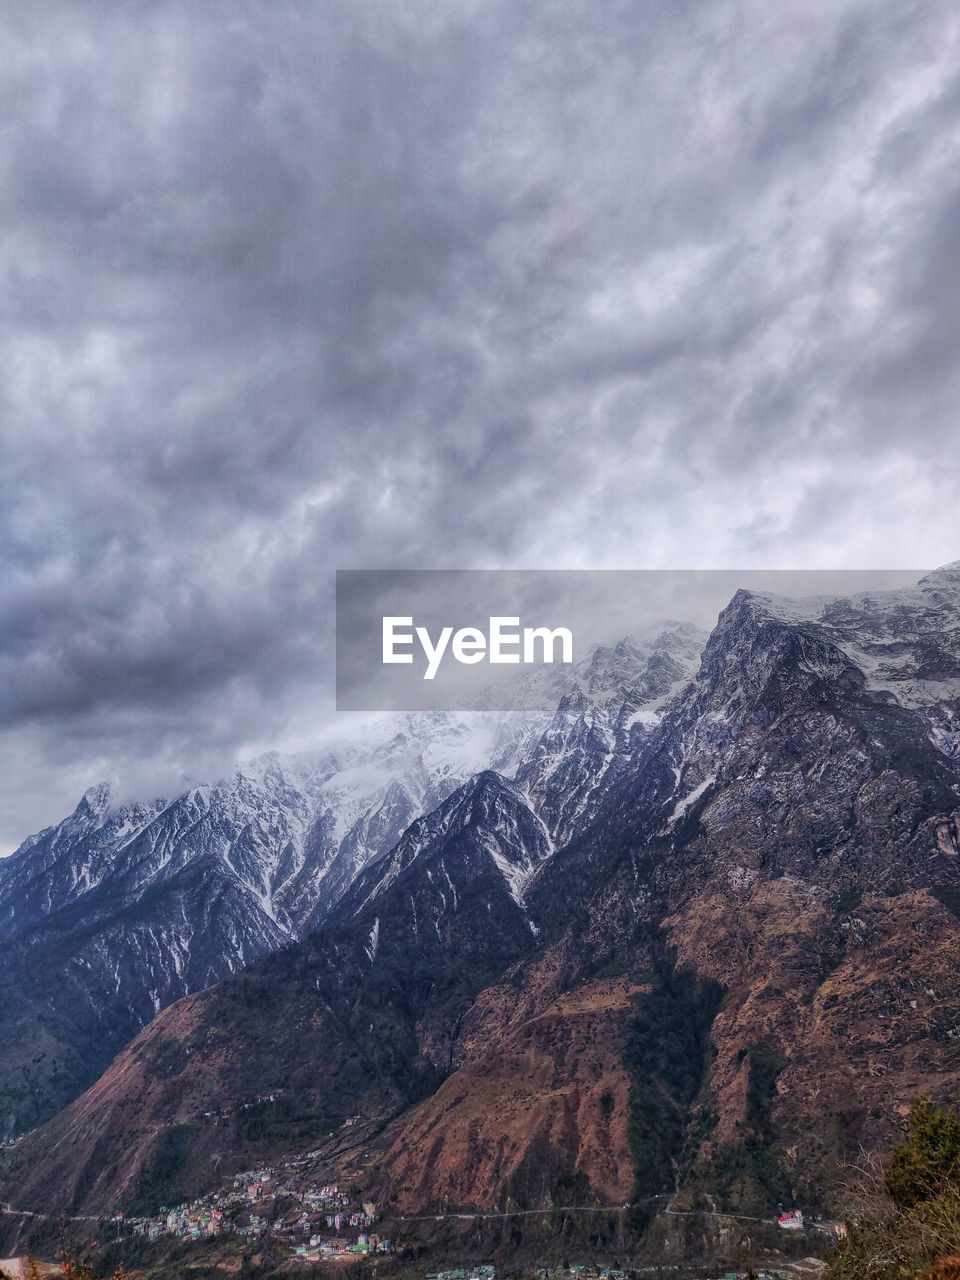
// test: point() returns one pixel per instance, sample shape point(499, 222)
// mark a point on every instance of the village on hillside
point(314, 1208)
point(314, 1221)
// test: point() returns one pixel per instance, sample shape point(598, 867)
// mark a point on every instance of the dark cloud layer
point(289, 286)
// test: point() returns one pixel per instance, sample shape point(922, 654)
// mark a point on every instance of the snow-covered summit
point(906, 642)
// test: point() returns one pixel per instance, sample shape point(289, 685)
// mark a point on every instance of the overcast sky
point(429, 283)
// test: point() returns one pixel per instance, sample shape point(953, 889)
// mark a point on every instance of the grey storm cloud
point(293, 286)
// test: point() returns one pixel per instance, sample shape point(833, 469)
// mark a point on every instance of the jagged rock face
point(602, 725)
point(703, 944)
point(810, 857)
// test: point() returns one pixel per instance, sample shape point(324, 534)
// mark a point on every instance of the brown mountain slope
point(537, 1112)
point(832, 1025)
point(172, 1102)
point(806, 1061)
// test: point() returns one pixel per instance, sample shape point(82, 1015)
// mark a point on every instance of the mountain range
point(692, 939)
